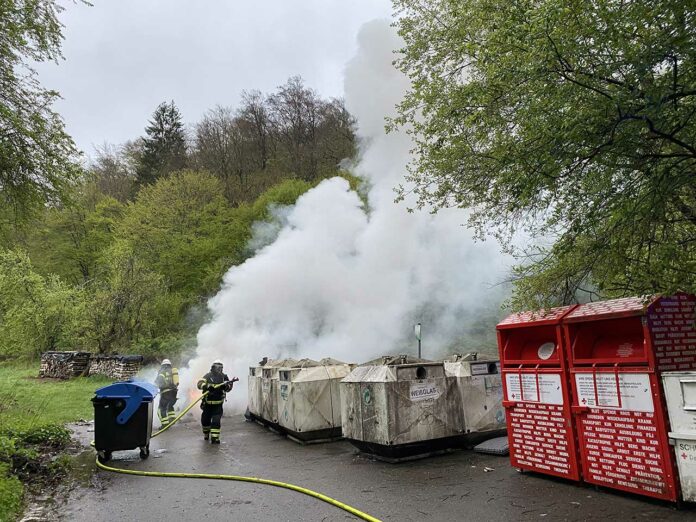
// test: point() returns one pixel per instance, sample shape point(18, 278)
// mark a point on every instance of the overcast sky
point(124, 57)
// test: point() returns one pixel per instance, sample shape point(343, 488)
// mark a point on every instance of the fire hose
point(239, 478)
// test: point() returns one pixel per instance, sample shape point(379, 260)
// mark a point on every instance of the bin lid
point(614, 308)
point(121, 390)
point(551, 316)
point(134, 393)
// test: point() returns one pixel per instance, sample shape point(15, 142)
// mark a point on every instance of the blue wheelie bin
point(123, 418)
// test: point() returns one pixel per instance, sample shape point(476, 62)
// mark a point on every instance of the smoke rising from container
point(346, 279)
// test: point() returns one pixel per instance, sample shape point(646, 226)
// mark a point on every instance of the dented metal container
point(309, 400)
point(254, 391)
point(680, 396)
point(401, 407)
point(269, 389)
point(481, 394)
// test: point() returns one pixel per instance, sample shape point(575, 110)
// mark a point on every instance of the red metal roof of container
point(550, 316)
point(626, 306)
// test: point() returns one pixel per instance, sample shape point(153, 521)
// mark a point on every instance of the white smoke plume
point(345, 281)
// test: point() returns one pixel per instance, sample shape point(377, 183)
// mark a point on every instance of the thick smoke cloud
point(349, 278)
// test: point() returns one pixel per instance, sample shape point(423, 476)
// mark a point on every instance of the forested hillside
point(126, 258)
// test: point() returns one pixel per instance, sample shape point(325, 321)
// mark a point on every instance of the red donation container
point(536, 393)
point(616, 350)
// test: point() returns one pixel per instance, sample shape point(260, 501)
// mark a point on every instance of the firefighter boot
point(206, 433)
point(215, 435)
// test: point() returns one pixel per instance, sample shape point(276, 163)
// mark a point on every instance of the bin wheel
point(144, 451)
point(104, 456)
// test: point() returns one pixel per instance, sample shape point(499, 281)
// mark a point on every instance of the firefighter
point(168, 383)
point(217, 384)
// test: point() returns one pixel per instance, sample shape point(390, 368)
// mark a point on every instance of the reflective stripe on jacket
point(216, 394)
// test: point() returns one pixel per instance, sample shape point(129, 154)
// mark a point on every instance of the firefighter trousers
point(210, 421)
point(166, 407)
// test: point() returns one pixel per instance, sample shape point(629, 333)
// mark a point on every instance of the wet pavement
point(457, 486)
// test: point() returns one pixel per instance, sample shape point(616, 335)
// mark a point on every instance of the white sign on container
point(424, 390)
point(549, 386)
point(634, 389)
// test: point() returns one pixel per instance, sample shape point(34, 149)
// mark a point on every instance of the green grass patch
point(27, 402)
point(32, 414)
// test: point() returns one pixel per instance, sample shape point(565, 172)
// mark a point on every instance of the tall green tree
point(181, 226)
point(37, 156)
point(71, 241)
point(574, 121)
point(36, 313)
point(128, 304)
point(164, 144)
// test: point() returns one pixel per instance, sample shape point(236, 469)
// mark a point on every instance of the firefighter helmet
point(166, 361)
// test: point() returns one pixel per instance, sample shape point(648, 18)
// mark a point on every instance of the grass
point(27, 405)
point(29, 402)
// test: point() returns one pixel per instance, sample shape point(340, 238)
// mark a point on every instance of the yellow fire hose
point(255, 480)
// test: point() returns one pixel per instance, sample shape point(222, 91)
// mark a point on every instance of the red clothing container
point(536, 393)
point(616, 351)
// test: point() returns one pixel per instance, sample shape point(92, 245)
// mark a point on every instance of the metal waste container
point(536, 393)
point(399, 408)
point(616, 351)
point(480, 386)
point(680, 395)
point(123, 418)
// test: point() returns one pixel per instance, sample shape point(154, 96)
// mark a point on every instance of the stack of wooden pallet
point(117, 367)
point(64, 365)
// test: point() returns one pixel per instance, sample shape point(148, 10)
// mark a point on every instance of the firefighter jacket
point(167, 379)
point(217, 385)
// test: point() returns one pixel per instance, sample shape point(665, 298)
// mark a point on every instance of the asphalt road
point(456, 486)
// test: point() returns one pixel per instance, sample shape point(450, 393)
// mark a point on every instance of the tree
point(37, 156)
point(222, 148)
point(254, 113)
point(129, 302)
point(294, 113)
point(164, 146)
point(36, 313)
point(70, 241)
point(114, 170)
point(336, 134)
point(180, 227)
point(572, 120)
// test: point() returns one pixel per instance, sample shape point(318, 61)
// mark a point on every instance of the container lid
point(536, 317)
point(391, 360)
point(134, 393)
point(613, 308)
point(330, 361)
point(280, 363)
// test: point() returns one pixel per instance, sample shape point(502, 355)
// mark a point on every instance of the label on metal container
point(539, 439)
point(686, 460)
point(548, 385)
point(621, 449)
point(600, 390)
point(424, 391)
point(479, 369)
point(673, 331)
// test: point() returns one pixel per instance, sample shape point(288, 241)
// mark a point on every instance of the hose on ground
point(238, 478)
point(255, 480)
point(165, 428)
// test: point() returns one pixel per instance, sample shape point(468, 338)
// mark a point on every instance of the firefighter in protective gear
point(168, 383)
point(217, 384)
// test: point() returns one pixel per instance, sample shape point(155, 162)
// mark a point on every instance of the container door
point(539, 422)
point(622, 436)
